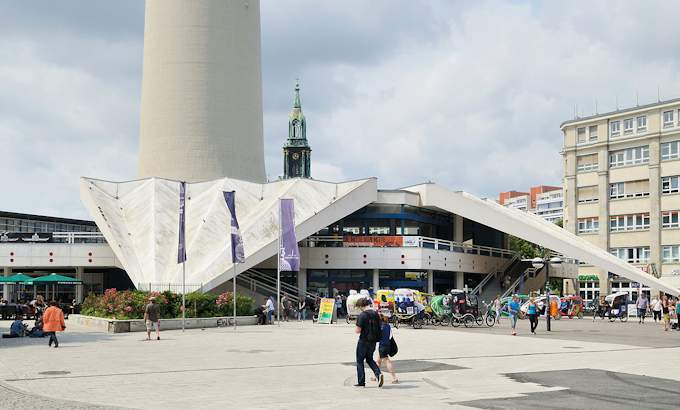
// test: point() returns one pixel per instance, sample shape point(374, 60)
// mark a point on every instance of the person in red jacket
point(53, 322)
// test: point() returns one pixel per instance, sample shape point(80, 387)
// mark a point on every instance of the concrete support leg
point(430, 281)
point(376, 280)
point(460, 280)
point(302, 281)
point(80, 275)
point(604, 283)
point(7, 271)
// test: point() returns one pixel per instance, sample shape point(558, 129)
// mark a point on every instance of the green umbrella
point(18, 278)
point(57, 279)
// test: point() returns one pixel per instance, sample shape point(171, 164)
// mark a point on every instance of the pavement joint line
point(74, 403)
point(434, 384)
point(217, 369)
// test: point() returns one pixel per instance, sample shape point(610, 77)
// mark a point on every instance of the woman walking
point(387, 348)
point(532, 312)
point(53, 322)
point(666, 312)
point(513, 310)
point(656, 309)
point(497, 308)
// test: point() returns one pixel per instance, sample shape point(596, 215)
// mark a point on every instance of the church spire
point(296, 101)
point(296, 150)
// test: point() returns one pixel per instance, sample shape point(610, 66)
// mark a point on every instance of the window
point(592, 133)
point(378, 230)
point(632, 255)
point(353, 230)
point(670, 185)
point(670, 150)
point(614, 128)
point(630, 189)
point(630, 156)
point(628, 126)
point(667, 119)
point(670, 219)
point(642, 123)
point(623, 223)
point(670, 253)
point(586, 163)
point(588, 194)
point(588, 225)
point(581, 135)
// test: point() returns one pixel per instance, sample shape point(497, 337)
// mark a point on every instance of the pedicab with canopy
point(407, 309)
point(384, 302)
point(571, 306)
point(352, 310)
point(618, 306)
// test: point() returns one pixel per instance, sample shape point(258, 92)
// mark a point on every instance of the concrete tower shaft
point(201, 115)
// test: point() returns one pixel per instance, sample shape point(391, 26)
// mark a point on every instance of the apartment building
point(543, 200)
point(622, 191)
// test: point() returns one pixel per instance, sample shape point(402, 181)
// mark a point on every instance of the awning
point(18, 278)
point(56, 279)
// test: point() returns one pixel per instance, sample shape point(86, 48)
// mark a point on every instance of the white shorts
point(153, 325)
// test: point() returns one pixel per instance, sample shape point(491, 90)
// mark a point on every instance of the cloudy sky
point(467, 94)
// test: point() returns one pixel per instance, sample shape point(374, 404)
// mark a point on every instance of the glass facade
point(329, 282)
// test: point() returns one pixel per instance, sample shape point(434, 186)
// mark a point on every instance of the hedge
point(129, 304)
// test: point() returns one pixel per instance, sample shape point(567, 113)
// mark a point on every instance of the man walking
point(513, 311)
point(152, 313)
point(53, 322)
point(368, 328)
point(641, 305)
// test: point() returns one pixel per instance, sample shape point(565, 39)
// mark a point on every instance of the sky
point(466, 94)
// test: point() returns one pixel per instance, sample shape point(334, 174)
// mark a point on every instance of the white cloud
point(468, 94)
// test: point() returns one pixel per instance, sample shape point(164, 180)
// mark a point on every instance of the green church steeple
point(296, 150)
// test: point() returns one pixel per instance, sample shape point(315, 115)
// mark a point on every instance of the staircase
point(531, 279)
point(264, 285)
point(490, 286)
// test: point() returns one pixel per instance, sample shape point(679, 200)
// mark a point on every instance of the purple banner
point(237, 252)
point(290, 255)
point(181, 248)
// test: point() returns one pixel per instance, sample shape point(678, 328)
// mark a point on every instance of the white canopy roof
point(140, 221)
point(534, 229)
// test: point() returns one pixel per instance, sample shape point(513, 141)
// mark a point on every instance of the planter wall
point(138, 325)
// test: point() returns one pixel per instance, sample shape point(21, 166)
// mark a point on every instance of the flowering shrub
point(130, 304)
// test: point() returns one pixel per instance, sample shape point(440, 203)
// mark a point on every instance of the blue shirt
point(17, 328)
point(513, 307)
point(531, 310)
point(385, 336)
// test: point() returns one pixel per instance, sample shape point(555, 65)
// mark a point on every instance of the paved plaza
point(580, 365)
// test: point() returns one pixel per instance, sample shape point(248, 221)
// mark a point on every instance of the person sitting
point(16, 329)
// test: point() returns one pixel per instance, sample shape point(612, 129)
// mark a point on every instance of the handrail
point(491, 275)
point(254, 284)
point(513, 286)
point(271, 283)
point(419, 242)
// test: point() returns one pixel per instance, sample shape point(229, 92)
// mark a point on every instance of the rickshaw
point(571, 306)
point(618, 306)
point(406, 309)
point(425, 299)
point(464, 309)
point(441, 310)
point(384, 302)
point(352, 310)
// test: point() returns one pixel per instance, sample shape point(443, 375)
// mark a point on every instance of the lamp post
point(538, 263)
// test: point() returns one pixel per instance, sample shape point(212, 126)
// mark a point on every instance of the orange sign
point(373, 241)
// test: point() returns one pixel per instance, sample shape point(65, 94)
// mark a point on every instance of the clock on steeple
point(296, 151)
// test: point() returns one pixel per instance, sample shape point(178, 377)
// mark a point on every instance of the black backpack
point(373, 323)
point(393, 348)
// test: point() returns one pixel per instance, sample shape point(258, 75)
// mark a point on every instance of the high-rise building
point(297, 155)
point(201, 114)
point(622, 190)
point(543, 200)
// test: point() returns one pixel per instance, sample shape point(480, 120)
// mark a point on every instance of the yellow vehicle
point(384, 301)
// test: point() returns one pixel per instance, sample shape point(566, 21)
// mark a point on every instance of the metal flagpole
point(184, 307)
point(278, 273)
point(233, 296)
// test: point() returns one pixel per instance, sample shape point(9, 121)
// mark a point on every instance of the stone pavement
point(310, 366)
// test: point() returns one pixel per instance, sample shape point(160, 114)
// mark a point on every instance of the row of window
point(629, 156)
point(627, 223)
point(630, 125)
point(641, 254)
point(27, 225)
